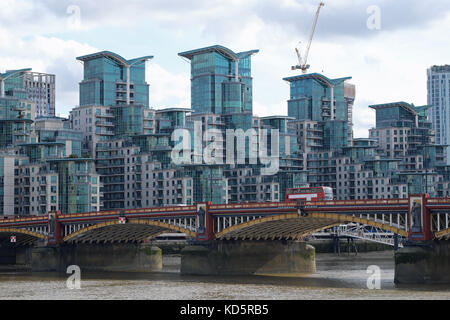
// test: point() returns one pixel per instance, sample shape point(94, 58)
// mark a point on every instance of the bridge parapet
point(136, 225)
point(25, 231)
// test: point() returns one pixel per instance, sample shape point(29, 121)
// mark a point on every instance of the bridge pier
point(425, 263)
point(248, 257)
point(15, 256)
point(97, 258)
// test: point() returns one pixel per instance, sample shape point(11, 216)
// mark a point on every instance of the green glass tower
point(111, 80)
point(221, 83)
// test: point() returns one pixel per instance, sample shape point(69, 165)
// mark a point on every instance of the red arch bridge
point(417, 218)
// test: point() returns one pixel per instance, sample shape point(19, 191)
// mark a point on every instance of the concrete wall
point(248, 257)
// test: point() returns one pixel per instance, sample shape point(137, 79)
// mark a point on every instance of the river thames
point(338, 277)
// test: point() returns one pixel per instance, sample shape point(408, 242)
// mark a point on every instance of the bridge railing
point(12, 220)
point(192, 209)
point(358, 202)
point(438, 201)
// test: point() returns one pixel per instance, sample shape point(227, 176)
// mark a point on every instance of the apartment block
point(39, 88)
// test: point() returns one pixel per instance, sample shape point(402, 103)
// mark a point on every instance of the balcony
point(104, 124)
point(105, 133)
point(108, 115)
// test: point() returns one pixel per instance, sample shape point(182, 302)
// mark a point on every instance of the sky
point(386, 46)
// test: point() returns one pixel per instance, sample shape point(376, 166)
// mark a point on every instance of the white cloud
point(57, 56)
point(48, 55)
point(167, 89)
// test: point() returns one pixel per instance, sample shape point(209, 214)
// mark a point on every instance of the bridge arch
point(23, 231)
point(350, 219)
point(138, 230)
point(292, 226)
point(443, 234)
point(23, 236)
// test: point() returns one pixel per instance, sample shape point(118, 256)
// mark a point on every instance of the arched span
point(165, 226)
point(348, 219)
point(291, 226)
point(14, 231)
point(443, 234)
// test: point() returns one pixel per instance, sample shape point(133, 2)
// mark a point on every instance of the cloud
point(346, 18)
point(47, 55)
point(167, 89)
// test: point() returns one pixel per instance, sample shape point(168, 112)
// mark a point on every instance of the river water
point(337, 277)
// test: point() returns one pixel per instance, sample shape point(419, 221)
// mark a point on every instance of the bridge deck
point(284, 220)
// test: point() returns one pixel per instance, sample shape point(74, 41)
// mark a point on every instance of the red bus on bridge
point(309, 194)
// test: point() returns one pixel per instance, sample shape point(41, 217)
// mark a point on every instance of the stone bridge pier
point(108, 257)
point(426, 255)
point(238, 257)
point(428, 262)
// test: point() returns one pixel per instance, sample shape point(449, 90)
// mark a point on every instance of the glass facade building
point(38, 87)
point(78, 185)
point(438, 85)
point(17, 112)
point(221, 83)
point(114, 152)
point(311, 95)
point(314, 97)
point(111, 80)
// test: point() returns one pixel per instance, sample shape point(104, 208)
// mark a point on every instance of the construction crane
point(302, 63)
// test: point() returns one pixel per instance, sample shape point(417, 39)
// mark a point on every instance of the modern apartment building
point(48, 173)
point(438, 85)
point(39, 87)
point(100, 124)
point(114, 152)
point(314, 97)
point(8, 165)
point(111, 80)
point(221, 81)
point(70, 185)
point(17, 112)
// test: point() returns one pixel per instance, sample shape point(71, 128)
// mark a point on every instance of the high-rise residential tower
point(17, 112)
point(439, 99)
point(329, 102)
point(111, 80)
point(222, 84)
point(39, 87)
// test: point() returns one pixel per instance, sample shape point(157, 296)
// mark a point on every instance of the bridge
point(252, 221)
point(418, 219)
